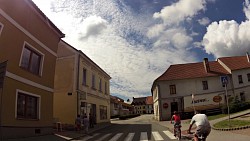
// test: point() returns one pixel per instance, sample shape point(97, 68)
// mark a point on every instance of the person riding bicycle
point(203, 127)
point(177, 120)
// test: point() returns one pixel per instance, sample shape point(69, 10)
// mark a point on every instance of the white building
point(173, 90)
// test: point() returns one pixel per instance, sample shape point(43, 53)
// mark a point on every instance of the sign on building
point(202, 102)
point(2, 72)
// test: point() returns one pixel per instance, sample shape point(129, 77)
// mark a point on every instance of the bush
point(236, 106)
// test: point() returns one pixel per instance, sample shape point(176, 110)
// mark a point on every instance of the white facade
point(165, 103)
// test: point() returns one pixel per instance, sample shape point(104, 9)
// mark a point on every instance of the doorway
point(174, 107)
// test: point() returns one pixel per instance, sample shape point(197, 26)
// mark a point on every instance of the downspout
point(160, 101)
point(77, 83)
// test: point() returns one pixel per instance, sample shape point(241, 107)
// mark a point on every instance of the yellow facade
point(76, 74)
point(27, 94)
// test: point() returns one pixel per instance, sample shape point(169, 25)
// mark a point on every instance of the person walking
point(78, 123)
point(91, 121)
point(86, 123)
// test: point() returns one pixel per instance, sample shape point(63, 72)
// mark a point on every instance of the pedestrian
point(86, 123)
point(78, 123)
point(91, 121)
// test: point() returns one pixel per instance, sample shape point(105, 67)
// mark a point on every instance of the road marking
point(116, 137)
point(157, 136)
point(129, 137)
point(103, 137)
point(144, 136)
point(169, 134)
point(89, 137)
point(67, 138)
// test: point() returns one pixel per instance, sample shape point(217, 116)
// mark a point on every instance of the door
point(174, 107)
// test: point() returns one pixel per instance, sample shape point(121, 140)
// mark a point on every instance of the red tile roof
point(192, 70)
point(149, 100)
point(235, 63)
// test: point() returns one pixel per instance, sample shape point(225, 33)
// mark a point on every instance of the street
point(141, 128)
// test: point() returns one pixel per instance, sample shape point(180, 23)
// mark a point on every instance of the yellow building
point(81, 87)
point(28, 42)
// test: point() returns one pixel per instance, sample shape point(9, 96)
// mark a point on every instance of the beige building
point(119, 108)
point(143, 105)
point(199, 86)
point(28, 42)
point(81, 87)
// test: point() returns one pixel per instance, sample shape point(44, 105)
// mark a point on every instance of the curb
point(231, 129)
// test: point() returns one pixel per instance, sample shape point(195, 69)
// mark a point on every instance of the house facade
point(81, 87)
point(201, 86)
point(143, 105)
point(27, 76)
point(119, 108)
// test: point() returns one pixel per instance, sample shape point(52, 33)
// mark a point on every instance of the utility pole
point(224, 81)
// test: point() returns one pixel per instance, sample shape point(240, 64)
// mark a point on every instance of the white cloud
point(204, 21)
point(178, 12)
point(92, 26)
point(228, 38)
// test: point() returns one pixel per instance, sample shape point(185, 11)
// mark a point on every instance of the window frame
point(240, 79)
point(100, 84)
point(93, 81)
point(33, 51)
point(205, 85)
point(38, 105)
point(172, 89)
point(84, 76)
point(248, 77)
point(1, 28)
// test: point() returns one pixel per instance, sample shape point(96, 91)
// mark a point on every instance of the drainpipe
point(160, 101)
point(77, 83)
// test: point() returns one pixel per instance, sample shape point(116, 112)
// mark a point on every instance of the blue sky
point(135, 41)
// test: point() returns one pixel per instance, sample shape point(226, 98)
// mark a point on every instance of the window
point(240, 79)
point(103, 112)
point(172, 89)
point(93, 81)
point(106, 90)
point(1, 28)
point(100, 85)
point(31, 60)
point(84, 76)
point(27, 106)
point(248, 77)
point(242, 96)
point(205, 85)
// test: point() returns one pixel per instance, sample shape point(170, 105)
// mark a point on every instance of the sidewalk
point(185, 123)
point(63, 135)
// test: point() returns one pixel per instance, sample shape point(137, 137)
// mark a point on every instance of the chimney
point(248, 57)
point(206, 65)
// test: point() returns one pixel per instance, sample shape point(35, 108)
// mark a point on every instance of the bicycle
point(202, 137)
point(177, 129)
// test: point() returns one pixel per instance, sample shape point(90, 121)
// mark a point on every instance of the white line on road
point(157, 136)
point(116, 137)
point(169, 134)
point(144, 136)
point(103, 137)
point(67, 138)
point(129, 137)
point(89, 137)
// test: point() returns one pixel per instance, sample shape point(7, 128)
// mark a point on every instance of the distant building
point(143, 105)
point(28, 46)
point(81, 87)
point(118, 107)
point(201, 86)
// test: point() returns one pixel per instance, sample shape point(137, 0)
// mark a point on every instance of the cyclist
point(203, 127)
point(177, 120)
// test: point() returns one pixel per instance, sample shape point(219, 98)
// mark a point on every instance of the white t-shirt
point(200, 120)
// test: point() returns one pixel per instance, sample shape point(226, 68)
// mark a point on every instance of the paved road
point(137, 129)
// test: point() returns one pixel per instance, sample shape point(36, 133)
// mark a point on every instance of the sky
point(135, 41)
